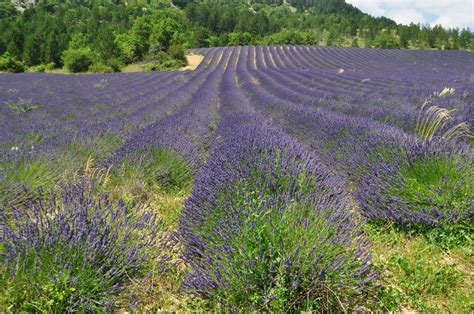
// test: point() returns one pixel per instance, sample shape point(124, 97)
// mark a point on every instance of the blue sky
point(448, 13)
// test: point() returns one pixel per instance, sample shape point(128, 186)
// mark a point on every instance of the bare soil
point(193, 61)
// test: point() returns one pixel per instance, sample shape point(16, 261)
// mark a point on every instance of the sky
point(448, 13)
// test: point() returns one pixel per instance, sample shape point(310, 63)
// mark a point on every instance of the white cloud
point(407, 16)
point(448, 13)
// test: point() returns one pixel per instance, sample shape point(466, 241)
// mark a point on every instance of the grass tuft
point(23, 105)
point(161, 167)
point(437, 182)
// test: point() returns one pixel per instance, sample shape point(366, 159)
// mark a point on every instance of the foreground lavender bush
point(266, 228)
point(429, 185)
point(74, 252)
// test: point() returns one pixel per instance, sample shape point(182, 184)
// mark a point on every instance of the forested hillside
point(105, 35)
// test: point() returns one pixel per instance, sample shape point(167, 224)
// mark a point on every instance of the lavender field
point(270, 178)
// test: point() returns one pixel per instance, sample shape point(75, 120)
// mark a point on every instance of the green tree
point(404, 37)
point(165, 32)
point(465, 39)
point(7, 10)
point(78, 60)
point(427, 38)
point(201, 37)
point(10, 64)
point(78, 41)
point(386, 41)
point(51, 51)
point(176, 51)
point(32, 50)
point(105, 44)
point(131, 30)
point(133, 44)
point(239, 39)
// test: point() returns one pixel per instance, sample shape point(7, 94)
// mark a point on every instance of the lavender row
point(362, 150)
point(77, 122)
point(186, 132)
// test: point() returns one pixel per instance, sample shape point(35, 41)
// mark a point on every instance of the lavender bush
point(431, 184)
point(75, 252)
point(267, 229)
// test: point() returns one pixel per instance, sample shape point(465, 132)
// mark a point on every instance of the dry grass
point(168, 205)
point(444, 93)
point(59, 71)
point(134, 67)
point(160, 292)
point(432, 121)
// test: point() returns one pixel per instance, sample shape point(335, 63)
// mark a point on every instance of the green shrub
point(100, 68)
point(78, 60)
point(23, 105)
point(355, 43)
point(386, 41)
point(169, 169)
point(164, 62)
point(111, 66)
point(9, 63)
point(239, 39)
point(173, 59)
point(38, 68)
point(274, 262)
point(24, 179)
point(274, 241)
point(51, 66)
point(167, 65)
point(115, 64)
point(286, 37)
point(161, 57)
point(452, 236)
point(177, 52)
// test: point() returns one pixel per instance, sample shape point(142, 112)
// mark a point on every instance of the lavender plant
point(75, 252)
point(430, 185)
point(267, 229)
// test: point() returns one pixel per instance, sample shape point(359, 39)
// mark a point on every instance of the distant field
point(269, 178)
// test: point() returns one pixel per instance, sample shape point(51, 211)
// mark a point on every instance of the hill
point(105, 35)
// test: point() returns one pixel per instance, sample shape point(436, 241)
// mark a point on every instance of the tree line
point(105, 35)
